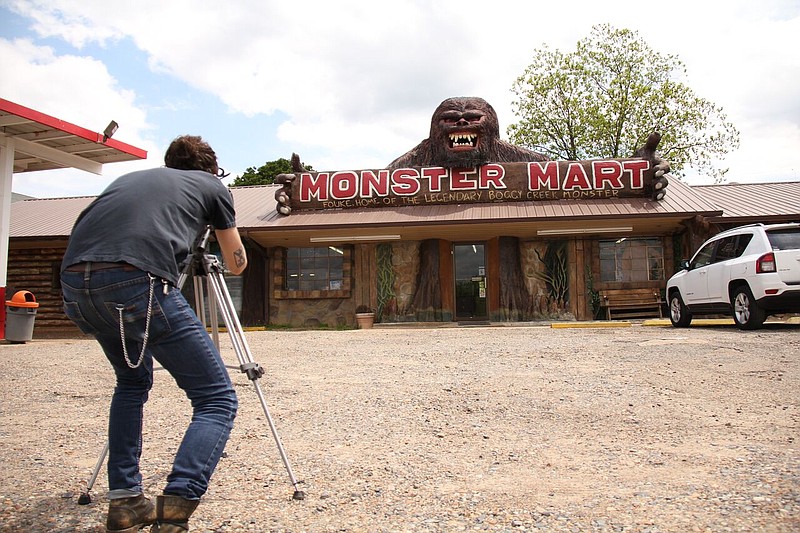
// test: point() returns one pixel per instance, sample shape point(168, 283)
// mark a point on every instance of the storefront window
point(632, 260)
point(314, 269)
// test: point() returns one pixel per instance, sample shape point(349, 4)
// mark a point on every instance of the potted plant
point(365, 317)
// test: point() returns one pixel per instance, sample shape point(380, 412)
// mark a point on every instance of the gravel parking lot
point(515, 428)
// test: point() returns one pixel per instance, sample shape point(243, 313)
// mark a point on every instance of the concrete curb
point(595, 324)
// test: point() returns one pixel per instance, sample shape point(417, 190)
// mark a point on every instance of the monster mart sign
point(491, 182)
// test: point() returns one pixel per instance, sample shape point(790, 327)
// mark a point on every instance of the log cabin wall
point(446, 280)
point(365, 276)
point(578, 292)
point(36, 267)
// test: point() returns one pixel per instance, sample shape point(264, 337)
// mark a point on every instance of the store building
point(465, 263)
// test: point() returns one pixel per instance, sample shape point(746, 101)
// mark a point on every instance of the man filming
point(118, 280)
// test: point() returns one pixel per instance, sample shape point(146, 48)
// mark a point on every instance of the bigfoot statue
point(465, 133)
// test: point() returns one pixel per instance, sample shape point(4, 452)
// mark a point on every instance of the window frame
point(627, 246)
point(281, 274)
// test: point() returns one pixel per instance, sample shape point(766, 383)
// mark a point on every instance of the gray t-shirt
point(150, 219)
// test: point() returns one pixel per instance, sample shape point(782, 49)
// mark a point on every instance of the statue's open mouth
point(463, 140)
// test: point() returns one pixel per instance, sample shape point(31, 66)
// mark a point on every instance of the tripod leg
point(247, 365)
point(213, 315)
point(85, 498)
point(199, 303)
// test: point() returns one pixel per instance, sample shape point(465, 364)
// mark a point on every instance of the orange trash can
point(20, 316)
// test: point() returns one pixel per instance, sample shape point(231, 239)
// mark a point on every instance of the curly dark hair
point(191, 152)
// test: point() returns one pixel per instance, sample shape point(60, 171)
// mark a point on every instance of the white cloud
point(359, 80)
point(78, 90)
point(73, 88)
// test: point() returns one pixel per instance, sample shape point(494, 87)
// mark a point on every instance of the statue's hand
point(283, 196)
point(661, 166)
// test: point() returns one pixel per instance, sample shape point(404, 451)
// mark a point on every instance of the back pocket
point(73, 312)
point(134, 317)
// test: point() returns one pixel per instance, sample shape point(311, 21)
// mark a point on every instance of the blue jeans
point(180, 344)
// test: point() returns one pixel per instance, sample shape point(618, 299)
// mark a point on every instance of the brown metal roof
point(769, 202)
point(46, 217)
point(256, 216)
point(255, 208)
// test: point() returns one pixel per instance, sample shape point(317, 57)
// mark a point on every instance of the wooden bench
point(631, 302)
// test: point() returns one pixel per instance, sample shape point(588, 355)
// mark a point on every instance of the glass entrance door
point(470, 279)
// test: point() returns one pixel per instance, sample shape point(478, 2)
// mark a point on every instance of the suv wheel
point(679, 314)
point(746, 311)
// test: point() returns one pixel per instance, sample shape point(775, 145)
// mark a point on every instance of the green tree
point(265, 174)
point(606, 97)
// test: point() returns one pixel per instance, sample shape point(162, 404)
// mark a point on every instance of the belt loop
point(87, 272)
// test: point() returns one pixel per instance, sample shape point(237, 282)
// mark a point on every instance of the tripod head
point(201, 243)
point(195, 261)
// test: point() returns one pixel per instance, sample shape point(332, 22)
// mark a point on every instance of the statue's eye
point(472, 116)
point(450, 116)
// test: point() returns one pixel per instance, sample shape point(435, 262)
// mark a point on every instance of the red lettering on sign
point(543, 174)
point(576, 178)
point(607, 172)
point(460, 181)
point(637, 169)
point(492, 175)
point(405, 182)
point(434, 176)
point(344, 185)
point(372, 184)
point(313, 187)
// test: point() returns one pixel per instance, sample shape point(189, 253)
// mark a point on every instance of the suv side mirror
point(685, 264)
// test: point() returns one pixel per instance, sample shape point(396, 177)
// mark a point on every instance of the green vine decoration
point(386, 295)
point(594, 296)
point(677, 251)
point(555, 272)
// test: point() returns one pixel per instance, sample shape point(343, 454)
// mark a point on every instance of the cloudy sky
point(352, 84)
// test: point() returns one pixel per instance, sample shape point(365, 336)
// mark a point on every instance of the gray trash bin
point(20, 316)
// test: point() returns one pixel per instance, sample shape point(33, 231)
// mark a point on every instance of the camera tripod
point(204, 265)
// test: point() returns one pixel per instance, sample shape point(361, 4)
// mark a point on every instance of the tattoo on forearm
point(238, 257)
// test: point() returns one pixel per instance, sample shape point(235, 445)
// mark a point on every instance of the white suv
point(750, 271)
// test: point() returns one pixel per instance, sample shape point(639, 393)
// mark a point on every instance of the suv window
point(704, 255)
point(742, 243)
point(732, 247)
point(786, 239)
point(726, 249)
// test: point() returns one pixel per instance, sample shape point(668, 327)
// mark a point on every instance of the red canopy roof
point(42, 142)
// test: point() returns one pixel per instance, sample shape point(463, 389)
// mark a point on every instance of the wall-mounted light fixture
point(110, 130)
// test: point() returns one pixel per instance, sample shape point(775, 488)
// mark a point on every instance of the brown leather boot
point(172, 514)
point(127, 515)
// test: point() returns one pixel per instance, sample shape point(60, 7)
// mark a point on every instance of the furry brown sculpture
point(465, 132)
